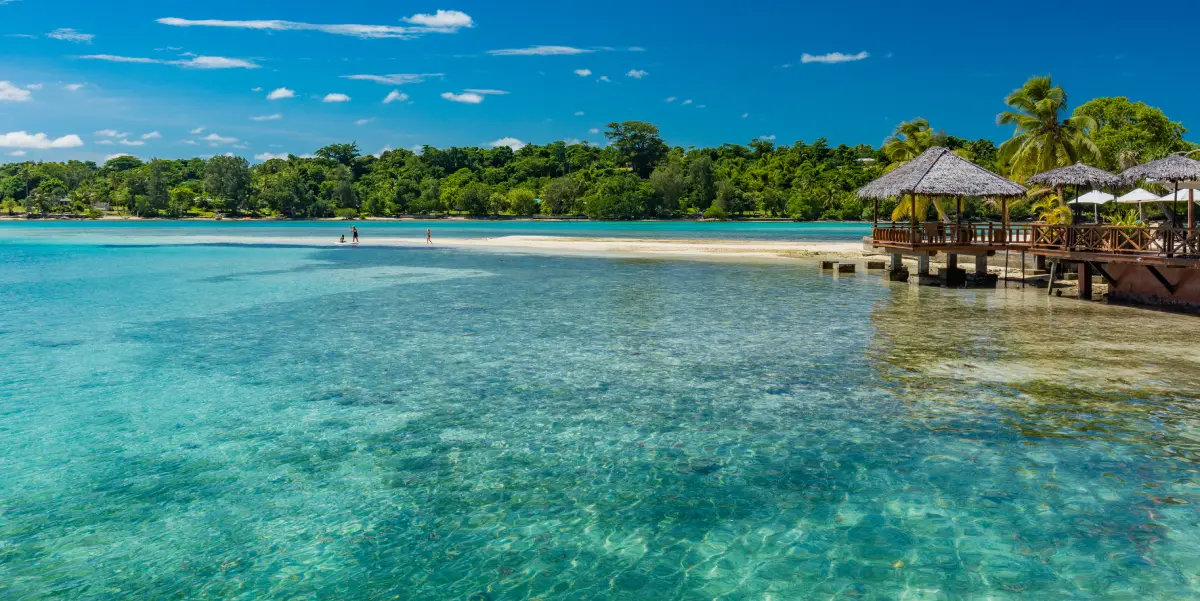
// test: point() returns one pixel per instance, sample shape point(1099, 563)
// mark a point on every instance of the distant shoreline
point(416, 218)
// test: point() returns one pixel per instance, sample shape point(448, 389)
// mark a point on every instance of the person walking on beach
point(428, 236)
point(353, 235)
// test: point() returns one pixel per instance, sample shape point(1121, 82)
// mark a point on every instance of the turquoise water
point(446, 228)
point(272, 422)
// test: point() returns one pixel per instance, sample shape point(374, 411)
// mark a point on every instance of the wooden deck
point(1176, 247)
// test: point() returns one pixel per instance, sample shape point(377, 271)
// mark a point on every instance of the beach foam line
point(551, 245)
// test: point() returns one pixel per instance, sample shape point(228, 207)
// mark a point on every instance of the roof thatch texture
point(939, 172)
point(1175, 168)
point(1077, 175)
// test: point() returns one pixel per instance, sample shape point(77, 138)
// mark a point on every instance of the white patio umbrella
point(1095, 198)
point(1139, 196)
point(1181, 194)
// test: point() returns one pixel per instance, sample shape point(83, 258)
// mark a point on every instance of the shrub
point(522, 201)
point(716, 212)
point(346, 213)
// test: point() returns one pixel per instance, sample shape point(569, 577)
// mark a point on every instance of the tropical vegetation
point(636, 175)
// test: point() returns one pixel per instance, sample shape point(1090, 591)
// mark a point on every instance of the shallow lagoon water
point(273, 422)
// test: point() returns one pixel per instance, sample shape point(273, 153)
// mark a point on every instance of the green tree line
point(636, 175)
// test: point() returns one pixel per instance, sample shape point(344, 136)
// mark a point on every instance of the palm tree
point(1042, 141)
point(908, 142)
point(1050, 210)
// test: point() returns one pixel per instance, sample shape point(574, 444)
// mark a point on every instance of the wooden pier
point(1153, 265)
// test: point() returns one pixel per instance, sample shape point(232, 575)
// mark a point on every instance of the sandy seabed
point(746, 250)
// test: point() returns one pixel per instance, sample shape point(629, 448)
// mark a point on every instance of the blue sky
point(178, 79)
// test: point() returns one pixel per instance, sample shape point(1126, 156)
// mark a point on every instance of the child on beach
point(343, 240)
point(354, 235)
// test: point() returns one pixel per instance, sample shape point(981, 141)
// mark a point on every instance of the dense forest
point(636, 175)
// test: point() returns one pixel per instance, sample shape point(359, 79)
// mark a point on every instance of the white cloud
point(636, 49)
point(216, 138)
point(189, 142)
point(785, 66)
point(197, 62)
point(117, 156)
point(744, 115)
point(11, 93)
point(67, 34)
point(151, 136)
point(395, 96)
point(274, 117)
point(701, 106)
point(768, 138)
point(266, 156)
point(258, 89)
point(280, 94)
point(833, 57)
point(17, 35)
point(637, 73)
point(197, 131)
point(104, 142)
point(571, 141)
point(74, 87)
point(20, 139)
point(242, 146)
point(594, 130)
point(386, 148)
point(486, 92)
point(33, 86)
point(133, 142)
point(671, 99)
point(362, 122)
point(111, 133)
point(539, 51)
point(394, 79)
point(688, 101)
point(512, 143)
point(605, 78)
point(17, 153)
point(467, 98)
point(335, 98)
point(583, 72)
point(578, 113)
point(443, 22)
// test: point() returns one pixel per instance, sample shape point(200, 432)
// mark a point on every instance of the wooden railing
point(949, 234)
point(1117, 239)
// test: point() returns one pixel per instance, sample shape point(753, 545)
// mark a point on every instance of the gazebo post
point(912, 199)
point(1191, 208)
point(875, 220)
point(1004, 228)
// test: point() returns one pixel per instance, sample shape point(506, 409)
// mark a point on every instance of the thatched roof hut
point(939, 172)
point(1077, 175)
point(1175, 168)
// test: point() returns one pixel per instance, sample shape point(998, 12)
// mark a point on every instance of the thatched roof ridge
point(1077, 175)
point(1174, 168)
point(939, 172)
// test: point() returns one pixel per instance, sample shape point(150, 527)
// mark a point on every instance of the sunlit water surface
point(272, 422)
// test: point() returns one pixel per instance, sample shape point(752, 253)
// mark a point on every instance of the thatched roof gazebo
point(1175, 168)
point(937, 172)
point(1078, 175)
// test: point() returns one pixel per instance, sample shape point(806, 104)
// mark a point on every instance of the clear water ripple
point(284, 423)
